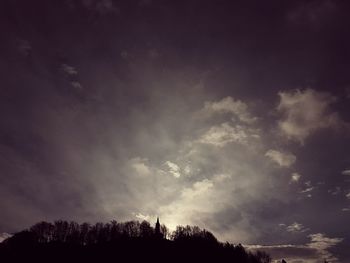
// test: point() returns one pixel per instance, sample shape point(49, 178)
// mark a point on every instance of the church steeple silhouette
point(158, 233)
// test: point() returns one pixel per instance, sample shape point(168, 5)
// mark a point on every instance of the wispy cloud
point(295, 177)
point(4, 236)
point(316, 250)
point(236, 108)
point(174, 169)
point(225, 133)
point(307, 190)
point(72, 75)
point(296, 228)
point(140, 166)
point(335, 191)
point(76, 85)
point(322, 243)
point(69, 70)
point(346, 172)
point(143, 217)
point(194, 198)
point(305, 112)
point(284, 159)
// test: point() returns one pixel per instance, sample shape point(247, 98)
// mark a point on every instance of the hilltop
point(131, 241)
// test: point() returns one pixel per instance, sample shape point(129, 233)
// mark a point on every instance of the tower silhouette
point(158, 233)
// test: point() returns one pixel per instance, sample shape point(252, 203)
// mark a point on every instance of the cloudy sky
point(229, 115)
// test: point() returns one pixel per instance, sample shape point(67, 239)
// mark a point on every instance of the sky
point(229, 115)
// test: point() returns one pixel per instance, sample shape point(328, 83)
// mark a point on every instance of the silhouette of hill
point(130, 241)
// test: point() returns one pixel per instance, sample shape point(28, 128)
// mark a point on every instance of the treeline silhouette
point(131, 241)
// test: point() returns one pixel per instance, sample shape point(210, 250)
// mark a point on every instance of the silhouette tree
point(43, 231)
point(84, 230)
point(60, 231)
point(146, 230)
point(131, 229)
point(131, 241)
point(165, 231)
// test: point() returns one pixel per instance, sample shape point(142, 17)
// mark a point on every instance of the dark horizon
point(229, 115)
point(131, 241)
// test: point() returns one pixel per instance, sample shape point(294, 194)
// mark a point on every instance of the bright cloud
point(307, 190)
point(4, 236)
point(296, 228)
point(225, 133)
point(140, 166)
point(295, 177)
point(322, 243)
point(346, 172)
point(229, 105)
point(197, 189)
point(143, 217)
point(315, 251)
point(283, 159)
point(305, 112)
point(174, 169)
point(192, 198)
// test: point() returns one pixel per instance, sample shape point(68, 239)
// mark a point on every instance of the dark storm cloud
point(231, 116)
